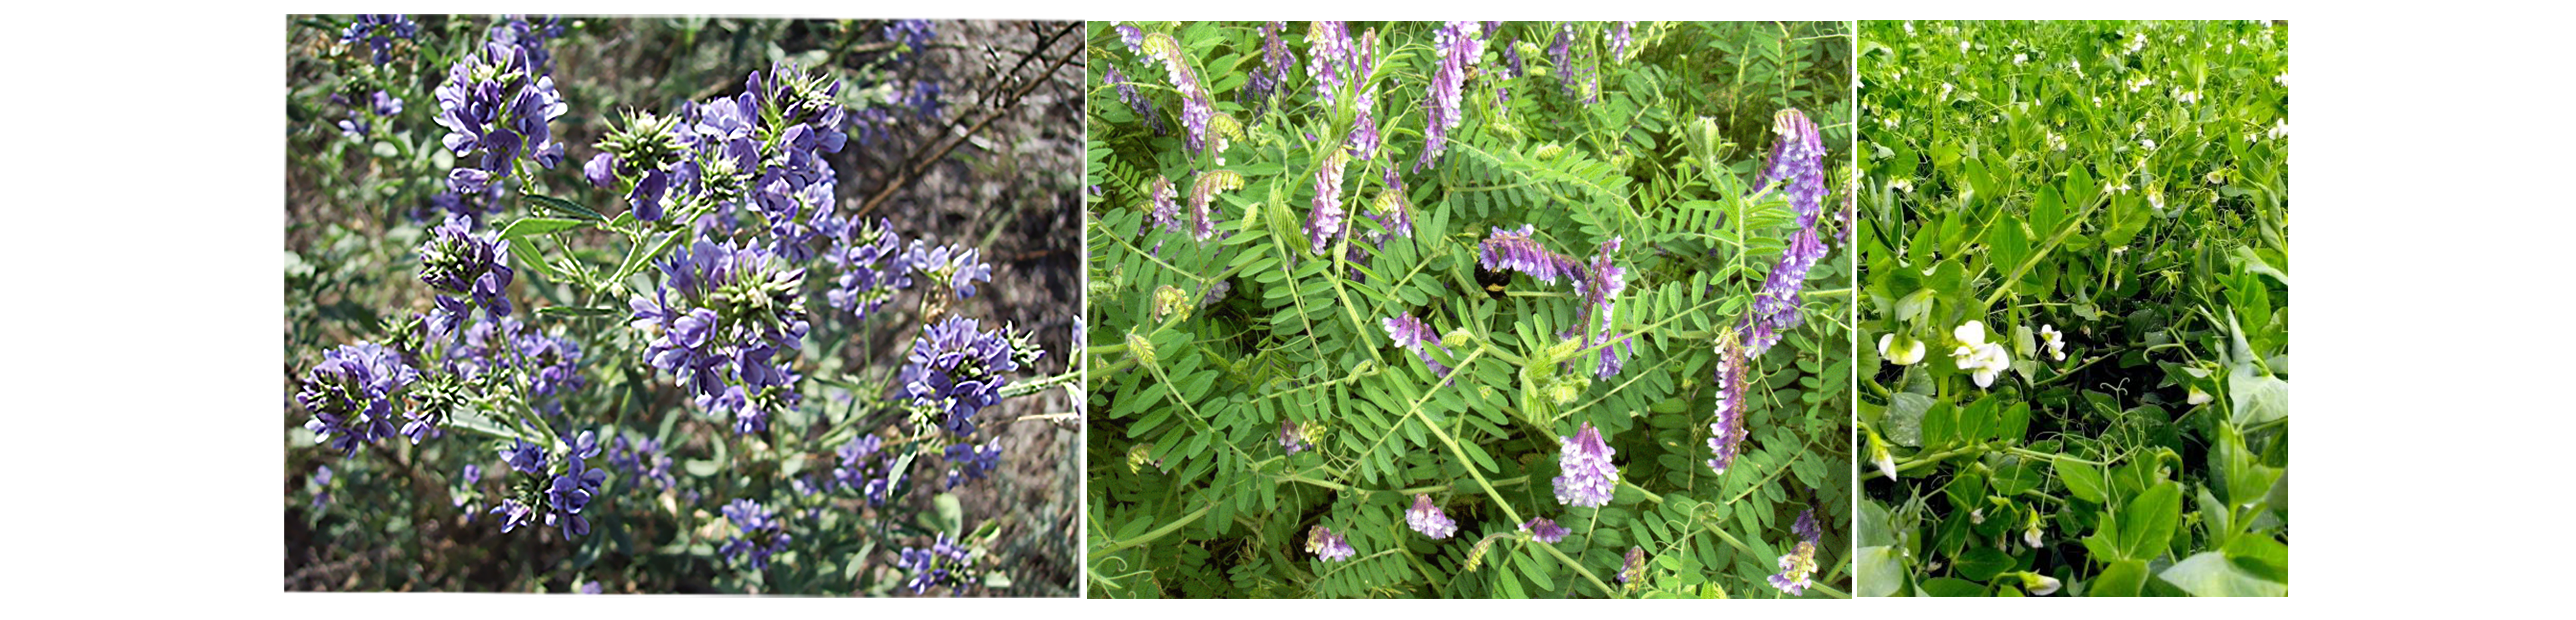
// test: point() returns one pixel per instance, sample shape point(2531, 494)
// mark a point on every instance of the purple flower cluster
point(1459, 49)
point(352, 395)
point(1518, 250)
point(381, 105)
point(527, 458)
point(1327, 545)
point(642, 460)
point(1292, 438)
point(1394, 212)
point(552, 361)
point(862, 470)
point(1619, 39)
point(498, 103)
point(1632, 568)
point(1589, 477)
point(1328, 43)
point(1277, 63)
point(972, 461)
point(914, 34)
point(1568, 65)
point(1166, 210)
point(761, 151)
point(943, 564)
point(1327, 218)
point(457, 262)
point(1427, 519)
point(759, 534)
point(1726, 433)
point(956, 369)
point(872, 268)
point(1143, 106)
point(720, 316)
point(1203, 212)
point(1196, 109)
point(1411, 334)
point(1601, 281)
point(1798, 160)
point(1132, 36)
point(379, 32)
point(1799, 565)
point(517, 30)
point(574, 486)
point(1545, 530)
point(1602, 284)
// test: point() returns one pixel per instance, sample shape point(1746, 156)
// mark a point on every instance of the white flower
point(2138, 43)
point(2030, 535)
point(2197, 397)
point(1909, 29)
point(1903, 184)
point(1886, 464)
point(2056, 142)
point(1901, 352)
point(2056, 343)
point(1977, 516)
point(2150, 143)
point(2157, 200)
point(2187, 96)
point(1945, 90)
point(2021, 58)
point(2280, 130)
point(2047, 585)
point(2118, 187)
point(1983, 359)
point(1963, 46)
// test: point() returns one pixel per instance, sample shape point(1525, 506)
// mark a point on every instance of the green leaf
point(1983, 563)
point(1952, 587)
point(2257, 398)
point(1904, 421)
point(531, 226)
point(570, 311)
point(567, 207)
point(702, 467)
point(2085, 481)
point(1877, 571)
point(2148, 522)
point(2124, 578)
point(952, 514)
point(2208, 573)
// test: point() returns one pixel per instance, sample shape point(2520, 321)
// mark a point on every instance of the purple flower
point(1329, 43)
point(943, 564)
point(1292, 438)
point(1134, 38)
point(970, 461)
point(321, 486)
point(1726, 434)
point(1775, 308)
point(1203, 198)
point(571, 491)
point(641, 460)
point(497, 103)
point(956, 369)
point(1326, 221)
point(1459, 49)
point(1632, 568)
point(758, 534)
point(457, 262)
point(590, 587)
point(379, 32)
point(1328, 546)
point(1196, 109)
point(914, 34)
point(1590, 478)
point(525, 457)
point(1515, 250)
point(1139, 103)
point(1796, 569)
point(1806, 527)
point(514, 515)
point(721, 313)
point(1544, 530)
point(871, 268)
point(351, 395)
point(1619, 40)
point(1428, 519)
point(1797, 159)
point(1166, 211)
point(1601, 287)
point(1411, 333)
point(1277, 63)
point(1363, 141)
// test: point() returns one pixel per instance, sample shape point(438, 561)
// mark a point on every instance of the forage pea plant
point(676, 352)
point(2077, 287)
point(1469, 309)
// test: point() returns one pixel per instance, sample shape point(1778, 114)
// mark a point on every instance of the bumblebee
point(1495, 282)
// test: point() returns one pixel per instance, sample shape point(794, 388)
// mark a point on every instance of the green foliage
point(2124, 185)
point(1204, 350)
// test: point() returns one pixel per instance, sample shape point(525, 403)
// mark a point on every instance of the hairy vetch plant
point(2078, 286)
point(1435, 324)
